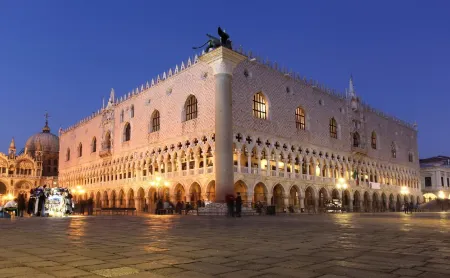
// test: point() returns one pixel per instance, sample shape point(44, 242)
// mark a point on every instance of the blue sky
point(65, 56)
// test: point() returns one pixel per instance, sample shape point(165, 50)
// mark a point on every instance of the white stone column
point(238, 154)
point(223, 61)
point(249, 162)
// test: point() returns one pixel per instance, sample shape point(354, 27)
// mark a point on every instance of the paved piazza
point(344, 245)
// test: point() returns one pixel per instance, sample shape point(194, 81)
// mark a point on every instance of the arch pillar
point(302, 203)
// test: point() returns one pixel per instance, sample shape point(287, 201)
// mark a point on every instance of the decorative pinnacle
point(46, 129)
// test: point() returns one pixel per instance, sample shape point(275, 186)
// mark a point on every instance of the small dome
point(44, 141)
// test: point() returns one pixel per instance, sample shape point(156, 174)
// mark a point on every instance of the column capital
point(222, 60)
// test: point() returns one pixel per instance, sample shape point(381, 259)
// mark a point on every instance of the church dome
point(44, 141)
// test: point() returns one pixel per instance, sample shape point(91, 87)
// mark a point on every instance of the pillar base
point(221, 209)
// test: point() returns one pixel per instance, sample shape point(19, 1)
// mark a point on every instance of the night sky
point(65, 56)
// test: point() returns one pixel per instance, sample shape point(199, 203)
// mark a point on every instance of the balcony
point(105, 153)
point(359, 149)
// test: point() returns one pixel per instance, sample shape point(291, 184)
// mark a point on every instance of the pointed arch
point(80, 150)
point(356, 140)
point(94, 145)
point(373, 140)
point(333, 128)
point(127, 132)
point(155, 121)
point(190, 108)
point(260, 109)
point(300, 118)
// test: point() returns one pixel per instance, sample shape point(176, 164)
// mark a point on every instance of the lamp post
point(341, 185)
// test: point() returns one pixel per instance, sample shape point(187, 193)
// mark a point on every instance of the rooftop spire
point(351, 88)
point(46, 129)
point(12, 145)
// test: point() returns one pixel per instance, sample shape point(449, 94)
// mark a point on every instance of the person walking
point(238, 205)
point(21, 204)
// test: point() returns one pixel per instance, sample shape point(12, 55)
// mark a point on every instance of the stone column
point(249, 162)
point(302, 203)
point(148, 201)
point(137, 204)
point(223, 61)
point(238, 154)
point(350, 205)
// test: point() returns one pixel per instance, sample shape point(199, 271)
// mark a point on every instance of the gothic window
point(94, 145)
point(410, 157)
point(121, 116)
point(68, 154)
point(190, 108)
point(108, 140)
point(300, 122)
point(127, 132)
point(155, 121)
point(333, 128)
point(393, 150)
point(374, 140)
point(259, 106)
point(132, 111)
point(80, 150)
point(356, 139)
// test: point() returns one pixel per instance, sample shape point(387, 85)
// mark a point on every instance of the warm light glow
point(166, 183)
point(152, 183)
point(441, 195)
point(9, 197)
point(341, 184)
point(263, 163)
point(280, 164)
point(158, 179)
point(317, 170)
point(366, 177)
point(404, 190)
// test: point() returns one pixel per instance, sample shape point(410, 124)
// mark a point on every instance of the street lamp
point(341, 185)
point(441, 195)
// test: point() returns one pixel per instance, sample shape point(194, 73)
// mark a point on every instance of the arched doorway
point(260, 193)
point(391, 202)
point(152, 199)
point(366, 202)
point(211, 192)
point(105, 203)
point(294, 196)
point(141, 199)
point(375, 203)
point(180, 193)
point(309, 200)
point(323, 197)
point(121, 200)
point(356, 201)
point(346, 201)
point(383, 202)
point(241, 187)
point(278, 197)
point(195, 193)
point(130, 197)
point(113, 199)
point(3, 188)
point(98, 200)
point(398, 205)
point(335, 194)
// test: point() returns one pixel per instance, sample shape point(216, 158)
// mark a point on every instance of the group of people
point(410, 207)
point(234, 205)
point(168, 207)
point(42, 202)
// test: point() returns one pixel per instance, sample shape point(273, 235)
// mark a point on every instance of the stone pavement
point(340, 245)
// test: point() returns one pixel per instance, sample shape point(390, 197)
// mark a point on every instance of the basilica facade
point(34, 165)
point(227, 121)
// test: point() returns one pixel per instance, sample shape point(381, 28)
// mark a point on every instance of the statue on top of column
point(215, 42)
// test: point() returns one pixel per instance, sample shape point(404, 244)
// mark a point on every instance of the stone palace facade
point(227, 121)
